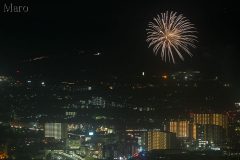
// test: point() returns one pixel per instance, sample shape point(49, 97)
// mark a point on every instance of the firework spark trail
point(171, 33)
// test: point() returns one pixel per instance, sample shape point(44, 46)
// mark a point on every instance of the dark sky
point(118, 31)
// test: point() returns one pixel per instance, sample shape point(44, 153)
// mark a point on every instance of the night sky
point(70, 31)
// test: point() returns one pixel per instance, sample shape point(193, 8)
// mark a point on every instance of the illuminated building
point(56, 130)
point(138, 137)
point(3, 155)
point(73, 143)
point(237, 105)
point(180, 127)
point(98, 102)
point(211, 119)
point(210, 129)
point(152, 139)
point(70, 114)
point(104, 130)
point(204, 128)
point(194, 131)
point(73, 126)
point(160, 140)
point(185, 132)
point(209, 135)
point(131, 145)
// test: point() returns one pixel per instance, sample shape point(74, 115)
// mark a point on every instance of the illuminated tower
point(211, 119)
point(181, 128)
point(210, 128)
point(55, 130)
point(160, 140)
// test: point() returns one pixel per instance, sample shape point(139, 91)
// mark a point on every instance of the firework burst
point(171, 34)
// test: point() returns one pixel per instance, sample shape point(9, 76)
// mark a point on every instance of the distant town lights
point(237, 104)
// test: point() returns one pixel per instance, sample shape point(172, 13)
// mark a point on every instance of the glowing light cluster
point(170, 34)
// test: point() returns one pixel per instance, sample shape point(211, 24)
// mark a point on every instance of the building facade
point(55, 130)
point(181, 128)
point(160, 140)
point(210, 119)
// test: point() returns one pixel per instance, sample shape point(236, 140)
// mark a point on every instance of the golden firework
point(170, 34)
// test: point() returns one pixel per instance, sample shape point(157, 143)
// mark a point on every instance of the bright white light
point(215, 148)
point(237, 104)
point(90, 133)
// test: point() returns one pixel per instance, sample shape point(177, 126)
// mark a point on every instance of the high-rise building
point(56, 130)
point(184, 130)
point(210, 119)
point(209, 135)
point(210, 129)
point(181, 128)
point(140, 137)
point(206, 129)
point(160, 140)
